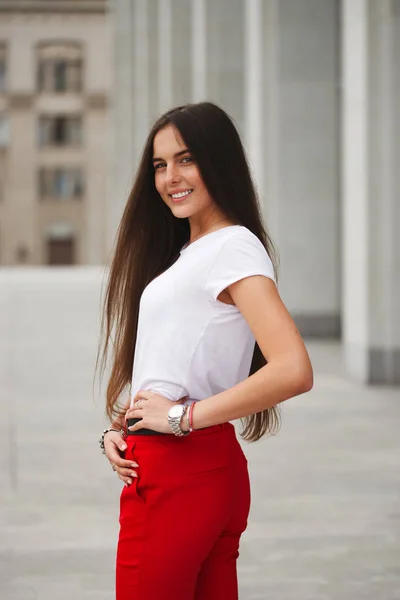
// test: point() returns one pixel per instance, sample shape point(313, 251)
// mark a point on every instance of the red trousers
point(181, 519)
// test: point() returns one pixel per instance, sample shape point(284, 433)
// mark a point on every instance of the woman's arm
point(114, 446)
point(288, 372)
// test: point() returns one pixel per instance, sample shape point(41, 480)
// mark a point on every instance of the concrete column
point(225, 56)
point(122, 114)
point(270, 126)
point(141, 78)
point(370, 186)
point(254, 101)
point(199, 50)
point(165, 95)
point(130, 101)
point(153, 60)
point(306, 56)
point(181, 52)
point(395, 161)
point(355, 184)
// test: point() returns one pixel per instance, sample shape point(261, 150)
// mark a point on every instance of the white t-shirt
point(188, 342)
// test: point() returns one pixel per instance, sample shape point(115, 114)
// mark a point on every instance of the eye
point(158, 166)
point(186, 160)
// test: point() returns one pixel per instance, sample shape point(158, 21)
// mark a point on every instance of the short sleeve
point(242, 255)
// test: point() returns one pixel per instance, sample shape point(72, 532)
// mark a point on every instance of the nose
point(172, 175)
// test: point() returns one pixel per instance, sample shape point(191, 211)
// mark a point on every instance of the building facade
point(54, 131)
point(314, 88)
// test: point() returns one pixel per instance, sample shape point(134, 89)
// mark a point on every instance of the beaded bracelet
point(101, 440)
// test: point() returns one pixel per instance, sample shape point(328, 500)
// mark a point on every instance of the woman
point(199, 331)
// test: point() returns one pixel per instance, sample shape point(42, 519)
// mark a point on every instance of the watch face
point(176, 411)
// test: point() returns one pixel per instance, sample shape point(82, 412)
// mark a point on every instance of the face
point(177, 178)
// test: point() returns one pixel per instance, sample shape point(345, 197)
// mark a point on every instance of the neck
point(207, 229)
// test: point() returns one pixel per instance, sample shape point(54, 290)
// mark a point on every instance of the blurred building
point(314, 88)
point(54, 134)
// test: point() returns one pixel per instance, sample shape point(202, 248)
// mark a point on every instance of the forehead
point(167, 141)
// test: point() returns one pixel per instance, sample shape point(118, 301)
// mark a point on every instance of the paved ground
point(325, 518)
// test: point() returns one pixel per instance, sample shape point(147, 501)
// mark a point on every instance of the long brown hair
point(149, 238)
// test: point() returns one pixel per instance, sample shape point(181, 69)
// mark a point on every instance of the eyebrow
point(176, 155)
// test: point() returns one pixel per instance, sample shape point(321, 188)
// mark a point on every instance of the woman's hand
point(114, 444)
point(152, 409)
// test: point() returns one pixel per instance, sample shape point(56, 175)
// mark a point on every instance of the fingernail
point(134, 464)
point(133, 474)
point(124, 446)
point(128, 482)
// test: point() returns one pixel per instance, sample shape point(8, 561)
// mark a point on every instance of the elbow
point(297, 377)
point(303, 380)
point(306, 380)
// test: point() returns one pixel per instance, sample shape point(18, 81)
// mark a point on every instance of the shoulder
point(240, 254)
point(243, 241)
point(242, 234)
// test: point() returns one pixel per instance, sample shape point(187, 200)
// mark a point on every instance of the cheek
point(195, 180)
point(193, 176)
point(201, 189)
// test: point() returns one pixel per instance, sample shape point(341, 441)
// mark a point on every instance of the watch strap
point(175, 424)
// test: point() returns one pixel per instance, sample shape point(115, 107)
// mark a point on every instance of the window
point(61, 251)
point(60, 131)
point(61, 183)
point(60, 244)
point(3, 68)
point(59, 67)
point(60, 75)
point(21, 254)
point(4, 131)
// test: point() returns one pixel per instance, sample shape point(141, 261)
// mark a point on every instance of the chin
point(181, 212)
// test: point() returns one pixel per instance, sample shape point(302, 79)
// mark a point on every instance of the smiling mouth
point(181, 195)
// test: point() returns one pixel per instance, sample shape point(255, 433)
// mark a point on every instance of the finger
point(125, 464)
point(122, 445)
point(115, 458)
point(127, 473)
point(144, 394)
point(113, 455)
point(134, 413)
point(136, 426)
point(127, 481)
point(115, 446)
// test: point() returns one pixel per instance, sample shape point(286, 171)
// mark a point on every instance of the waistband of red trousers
point(196, 432)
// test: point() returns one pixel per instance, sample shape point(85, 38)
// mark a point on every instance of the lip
point(176, 200)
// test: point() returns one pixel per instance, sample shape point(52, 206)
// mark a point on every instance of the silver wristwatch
point(175, 415)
